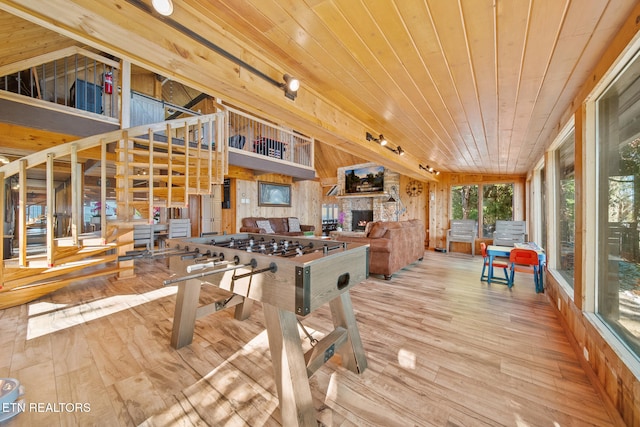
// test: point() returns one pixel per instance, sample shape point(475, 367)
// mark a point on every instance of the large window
point(464, 202)
point(565, 207)
point(618, 206)
point(496, 201)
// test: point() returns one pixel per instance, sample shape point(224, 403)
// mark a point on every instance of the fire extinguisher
point(108, 82)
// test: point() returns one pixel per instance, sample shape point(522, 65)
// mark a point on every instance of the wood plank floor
point(443, 349)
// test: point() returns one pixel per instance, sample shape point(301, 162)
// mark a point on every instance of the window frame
point(537, 211)
point(552, 205)
point(480, 220)
point(590, 203)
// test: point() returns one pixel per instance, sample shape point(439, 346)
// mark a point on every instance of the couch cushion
point(266, 225)
point(294, 225)
point(367, 228)
point(251, 221)
point(279, 225)
point(377, 231)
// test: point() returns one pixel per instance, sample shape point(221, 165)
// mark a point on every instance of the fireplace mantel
point(358, 195)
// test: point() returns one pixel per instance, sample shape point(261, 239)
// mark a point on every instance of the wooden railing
point(253, 136)
point(155, 166)
point(72, 77)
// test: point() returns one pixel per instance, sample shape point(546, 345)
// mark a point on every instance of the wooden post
point(3, 207)
point(125, 244)
point(151, 180)
point(103, 191)
point(51, 202)
point(76, 192)
point(169, 166)
point(22, 211)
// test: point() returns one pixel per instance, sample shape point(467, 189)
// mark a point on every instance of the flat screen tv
point(364, 180)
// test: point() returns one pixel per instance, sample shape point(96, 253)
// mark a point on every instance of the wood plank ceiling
point(469, 86)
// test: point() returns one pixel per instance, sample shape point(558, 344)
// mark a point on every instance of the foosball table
point(291, 277)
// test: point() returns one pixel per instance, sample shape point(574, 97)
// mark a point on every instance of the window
point(464, 202)
point(565, 207)
point(497, 204)
point(618, 206)
point(35, 213)
point(329, 212)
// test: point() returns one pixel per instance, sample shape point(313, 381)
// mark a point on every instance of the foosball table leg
point(352, 352)
point(184, 318)
point(293, 368)
point(292, 382)
point(243, 310)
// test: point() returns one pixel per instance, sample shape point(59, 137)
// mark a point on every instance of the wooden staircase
point(161, 172)
point(156, 166)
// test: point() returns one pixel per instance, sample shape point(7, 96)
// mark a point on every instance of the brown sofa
point(285, 226)
point(392, 245)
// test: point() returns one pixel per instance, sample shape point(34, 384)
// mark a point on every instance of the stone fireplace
point(359, 219)
point(375, 205)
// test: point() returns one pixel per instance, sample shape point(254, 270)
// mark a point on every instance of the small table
point(504, 251)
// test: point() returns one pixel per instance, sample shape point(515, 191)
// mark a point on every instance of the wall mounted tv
point(364, 180)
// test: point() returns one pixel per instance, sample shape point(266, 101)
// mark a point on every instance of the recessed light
point(163, 7)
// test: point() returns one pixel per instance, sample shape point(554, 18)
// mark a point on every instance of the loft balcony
point(266, 147)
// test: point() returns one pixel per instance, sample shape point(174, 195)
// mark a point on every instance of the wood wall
point(306, 199)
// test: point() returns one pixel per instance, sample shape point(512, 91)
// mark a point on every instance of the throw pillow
point(266, 225)
point(377, 231)
point(294, 225)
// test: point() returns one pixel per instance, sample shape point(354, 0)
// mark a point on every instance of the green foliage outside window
point(497, 203)
point(464, 202)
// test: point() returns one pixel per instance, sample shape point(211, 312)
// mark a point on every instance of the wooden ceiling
point(476, 86)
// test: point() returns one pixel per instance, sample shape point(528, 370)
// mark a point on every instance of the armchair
point(509, 232)
point(463, 230)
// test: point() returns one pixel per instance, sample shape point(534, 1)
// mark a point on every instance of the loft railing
point(256, 137)
point(73, 77)
point(146, 109)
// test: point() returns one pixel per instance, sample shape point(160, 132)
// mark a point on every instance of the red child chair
point(524, 261)
point(484, 276)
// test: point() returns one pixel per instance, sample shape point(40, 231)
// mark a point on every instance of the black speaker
point(226, 194)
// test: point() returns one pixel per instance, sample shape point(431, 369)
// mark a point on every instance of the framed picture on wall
point(271, 194)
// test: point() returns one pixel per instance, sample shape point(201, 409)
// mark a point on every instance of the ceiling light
point(4, 160)
point(292, 83)
point(380, 140)
point(400, 151)
point(291, 86)
point(163, 7)
point(429, 169)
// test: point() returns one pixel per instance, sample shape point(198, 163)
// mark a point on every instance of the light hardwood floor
point(443, 349)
